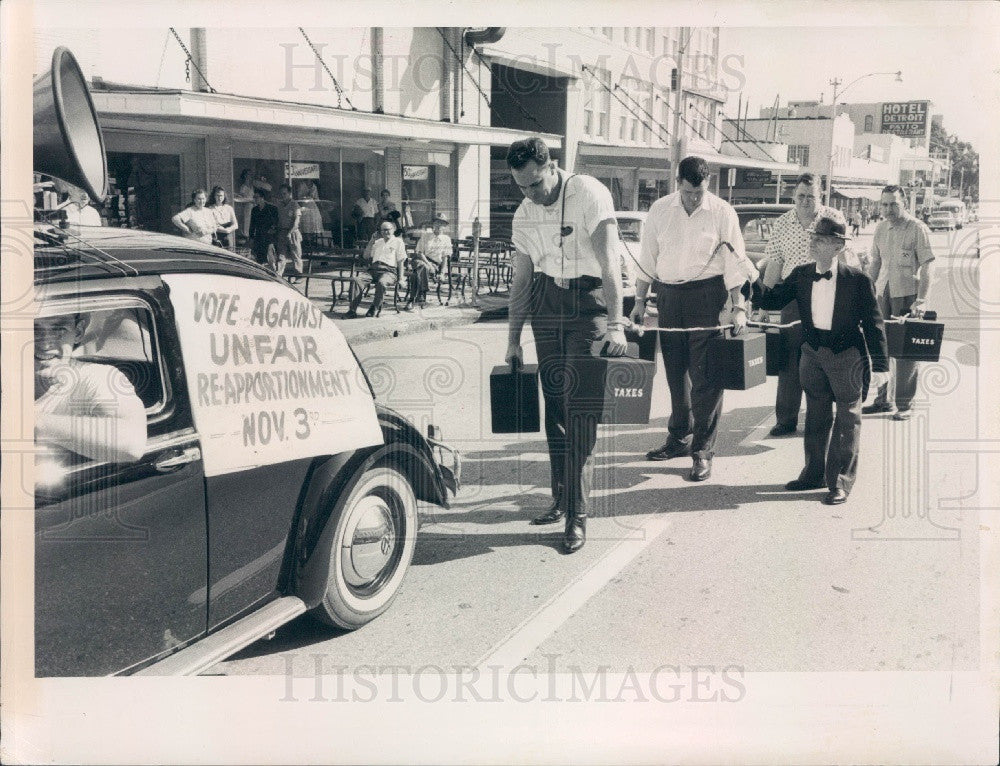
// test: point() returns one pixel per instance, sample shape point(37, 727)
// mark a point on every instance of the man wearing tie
point(842, 328)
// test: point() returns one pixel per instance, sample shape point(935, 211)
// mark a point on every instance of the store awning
point(726, 160)
point(640, 154)
point(170, 108)
point(873, 193)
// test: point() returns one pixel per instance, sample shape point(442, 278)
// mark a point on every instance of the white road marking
point(526, 637)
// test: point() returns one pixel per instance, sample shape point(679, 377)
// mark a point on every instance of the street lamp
point(836, 94)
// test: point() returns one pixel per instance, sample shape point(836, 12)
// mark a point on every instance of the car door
point(120, 547)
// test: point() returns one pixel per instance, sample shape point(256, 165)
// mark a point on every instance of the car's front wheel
point(371, 548)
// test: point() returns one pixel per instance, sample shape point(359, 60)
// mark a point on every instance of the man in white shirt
point(86, 408)
point(432, 254)
point(567, 279)
point(844, 338)
point(386, 255)
point(693, 248)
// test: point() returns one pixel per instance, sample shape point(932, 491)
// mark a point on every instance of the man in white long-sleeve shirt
point(684, 249)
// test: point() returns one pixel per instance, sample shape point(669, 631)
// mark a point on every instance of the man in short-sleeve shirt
point(567, 277)
point(901, 258)
point(287, 237)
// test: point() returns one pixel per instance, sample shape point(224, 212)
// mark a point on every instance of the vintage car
point(756, 221)
point(210, 461)
point(942, 218)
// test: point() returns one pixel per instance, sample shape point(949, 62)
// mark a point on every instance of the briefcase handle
point(600, 348)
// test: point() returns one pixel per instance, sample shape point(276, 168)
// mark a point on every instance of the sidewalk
point(392, 324)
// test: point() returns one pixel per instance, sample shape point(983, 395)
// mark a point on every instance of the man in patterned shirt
point(787, 248)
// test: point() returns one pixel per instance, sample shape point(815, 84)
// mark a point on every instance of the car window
point(99, 380)
point(123, 337)
point(758, 230)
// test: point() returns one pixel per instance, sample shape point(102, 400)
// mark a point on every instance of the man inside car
point(87, 408)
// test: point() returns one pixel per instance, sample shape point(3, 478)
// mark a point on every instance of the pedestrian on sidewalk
point(263, 225)
point(364, 212)
point(196, 221)
point(567, 282)
point(855, 223)
point(787, 249)
point(386, 256)
point(842, 326)
point(225, 218)
point(287, 237)
point(683, 246)
point(901, 258)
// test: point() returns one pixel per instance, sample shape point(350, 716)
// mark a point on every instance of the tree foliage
point(963, 158)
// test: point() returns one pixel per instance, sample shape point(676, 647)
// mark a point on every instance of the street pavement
point(734, 572)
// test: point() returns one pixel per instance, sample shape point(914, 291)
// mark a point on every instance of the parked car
point(957, 209)
point(942, 218)
point(756, 222)
point(630, 223)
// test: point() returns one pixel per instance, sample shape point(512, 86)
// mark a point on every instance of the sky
point(955, 67)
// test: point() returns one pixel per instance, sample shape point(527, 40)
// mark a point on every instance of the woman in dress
point(311, 221)
point(197, 221)
point(225, 218)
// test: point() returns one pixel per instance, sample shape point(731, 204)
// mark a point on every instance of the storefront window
point(419, 194)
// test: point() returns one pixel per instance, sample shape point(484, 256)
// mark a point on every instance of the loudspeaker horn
point(67, 139)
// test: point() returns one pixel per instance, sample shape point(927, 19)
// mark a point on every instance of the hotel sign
point(905, 118)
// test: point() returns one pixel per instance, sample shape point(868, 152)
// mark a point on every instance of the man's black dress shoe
point(872, 409)
point(835, 497)
point(782, 429)
point(669, 450)
point(798, 485)
point(701, 469)
point(576, 532)
point(553, 514)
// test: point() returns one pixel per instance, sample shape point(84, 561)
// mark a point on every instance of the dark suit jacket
point(856, 322)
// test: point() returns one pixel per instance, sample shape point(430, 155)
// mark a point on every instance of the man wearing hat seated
point(432, 254)
point(844, 338)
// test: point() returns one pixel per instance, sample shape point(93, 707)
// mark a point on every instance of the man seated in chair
point(86, 408)
point(386, 254)
point(432, 254)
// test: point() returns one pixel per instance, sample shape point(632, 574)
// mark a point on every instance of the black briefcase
point(646, 343)
point(738, 363)
point(776, 354)
point(514, 399)
point(918, 340)
point(616, 389)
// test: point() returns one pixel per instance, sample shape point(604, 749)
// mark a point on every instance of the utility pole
point(833, 142)
point(678, 102)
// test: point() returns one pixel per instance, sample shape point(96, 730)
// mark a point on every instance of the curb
point(356, 332)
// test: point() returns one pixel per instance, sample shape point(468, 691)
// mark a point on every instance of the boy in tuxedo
point(843, 341)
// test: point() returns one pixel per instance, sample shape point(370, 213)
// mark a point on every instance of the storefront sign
point(300, 170)
point(754, 179)
point(416, 172)
point(905, 118)
point(270, 378)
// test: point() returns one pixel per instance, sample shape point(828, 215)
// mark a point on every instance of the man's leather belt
point(691, 285)
point(576, 283)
